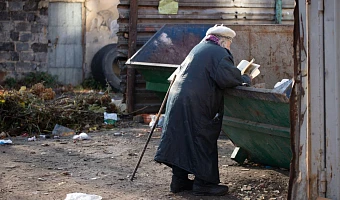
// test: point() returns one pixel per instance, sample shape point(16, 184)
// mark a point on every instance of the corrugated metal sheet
point(229, 12)
point(65, 33)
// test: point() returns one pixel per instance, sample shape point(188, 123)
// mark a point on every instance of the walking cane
point(153, 128)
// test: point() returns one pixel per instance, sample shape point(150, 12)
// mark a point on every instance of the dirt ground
point(52, 168)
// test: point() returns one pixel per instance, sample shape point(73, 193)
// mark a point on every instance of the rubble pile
point(38, 109)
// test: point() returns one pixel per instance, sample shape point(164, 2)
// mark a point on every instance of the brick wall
point(23, 38)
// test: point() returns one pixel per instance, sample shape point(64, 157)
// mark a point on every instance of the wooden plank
point(132, 49)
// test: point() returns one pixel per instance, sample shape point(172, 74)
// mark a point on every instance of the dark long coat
point(191, 125)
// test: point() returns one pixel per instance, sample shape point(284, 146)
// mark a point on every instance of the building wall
point(24, 34)
point(101, 27)
point(23, 41)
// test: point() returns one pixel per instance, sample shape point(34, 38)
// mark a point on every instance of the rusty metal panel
point(65, 51)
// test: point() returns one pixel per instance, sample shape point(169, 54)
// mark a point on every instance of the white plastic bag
point(81, 136)
point(82, 196)
point(153, 120)
point(110, 118)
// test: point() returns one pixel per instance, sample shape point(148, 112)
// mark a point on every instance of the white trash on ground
point(82, 196)
point(81, 136)
point(32, 139)
point(153, 120)
point(6, 142)
point(110, 118)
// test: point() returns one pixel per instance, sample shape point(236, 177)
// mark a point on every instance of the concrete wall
point(24, 36)
point(101, 27)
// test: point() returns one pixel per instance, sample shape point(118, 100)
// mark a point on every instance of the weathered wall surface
point(24, 33)
point(101, 27)
point(23, 38)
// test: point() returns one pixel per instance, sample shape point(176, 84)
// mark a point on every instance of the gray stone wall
point(23, 38)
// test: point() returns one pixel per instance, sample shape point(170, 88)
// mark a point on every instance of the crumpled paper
point(168, 7)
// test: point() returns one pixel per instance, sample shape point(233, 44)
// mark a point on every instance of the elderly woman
point(194, 113)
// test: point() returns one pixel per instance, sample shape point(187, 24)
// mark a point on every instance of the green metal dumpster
point(164, 51)
point(255, 119)
point(258, 121)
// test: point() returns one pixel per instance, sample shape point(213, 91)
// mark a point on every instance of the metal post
point(278, 11)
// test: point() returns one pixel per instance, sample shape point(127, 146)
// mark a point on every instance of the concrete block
point(239, 155)
point(7, 46)
point(31, 5)
point(22, 46)
point(4, 15)
point(25, 67)
point(42, 19)
point(31, 17)
point(36, 28)
point(39, 38)
point(40, 57)
point(14, 56)
point(14, 36)
point(4, 36)
point(25, 37)
point(7, 66)
point(18, 16)
point(41, 67)
point(3, 6)
point(43, 11)
point(15, 5)
point(5, 56)
point(6, 26)
point(39, 47)
point(22, 26)
point(26, 56)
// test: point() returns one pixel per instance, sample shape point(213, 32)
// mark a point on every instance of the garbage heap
point(38, 109)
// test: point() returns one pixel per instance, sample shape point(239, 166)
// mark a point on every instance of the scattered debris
point(37, 110)
point(110, 118)
point(3, 135)
point(246, 188)
point(118, 134)
point(82, 196)
point(67, 173)
point(32, 139)
point(133, 154)
point(60, 130)
point(6, 142)
point(81, 136)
